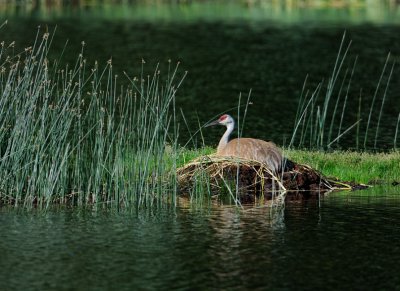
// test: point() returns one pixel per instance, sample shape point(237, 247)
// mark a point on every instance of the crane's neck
point(225, 138)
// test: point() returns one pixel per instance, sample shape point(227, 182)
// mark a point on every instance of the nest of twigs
point(253, 179)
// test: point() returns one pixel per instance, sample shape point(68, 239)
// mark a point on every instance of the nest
point(252, 179)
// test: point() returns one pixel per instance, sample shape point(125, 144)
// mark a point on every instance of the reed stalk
point(345, 99)
point(396, 132)
point(358, 117)
point(73, 134)
point(383, 102)
point(336, 106)
point(311, 116)
point(330, 89)
point(373, 101)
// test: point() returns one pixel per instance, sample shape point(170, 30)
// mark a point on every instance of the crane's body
point(247, 148)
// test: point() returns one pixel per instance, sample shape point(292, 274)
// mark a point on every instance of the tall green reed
point(74, 134)
point(396, 132)
point(311, 121)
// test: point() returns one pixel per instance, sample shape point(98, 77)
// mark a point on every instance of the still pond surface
point(345, 241)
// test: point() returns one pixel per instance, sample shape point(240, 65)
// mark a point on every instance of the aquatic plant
point(311, 128)
point(74, 134)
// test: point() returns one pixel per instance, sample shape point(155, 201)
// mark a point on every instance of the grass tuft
point(361, 167)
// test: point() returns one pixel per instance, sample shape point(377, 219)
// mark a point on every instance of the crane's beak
point(212, 123)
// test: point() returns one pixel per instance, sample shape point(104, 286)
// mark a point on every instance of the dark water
point(345, 241)
point(229, 49)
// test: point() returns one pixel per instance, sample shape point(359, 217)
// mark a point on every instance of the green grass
point(360, 167)
point(187, 155)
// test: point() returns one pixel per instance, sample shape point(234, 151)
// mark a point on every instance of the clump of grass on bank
point(361, 167)
point(187, 155)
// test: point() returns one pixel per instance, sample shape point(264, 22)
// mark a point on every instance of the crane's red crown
point(223, 117)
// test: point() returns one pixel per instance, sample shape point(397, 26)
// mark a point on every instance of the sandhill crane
point(247, 148)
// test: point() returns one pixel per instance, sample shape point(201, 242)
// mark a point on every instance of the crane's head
point(225, 120)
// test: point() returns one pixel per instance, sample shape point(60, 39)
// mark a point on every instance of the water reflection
point(236, 238)
point(209, 247)
point(283, 11)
